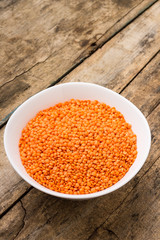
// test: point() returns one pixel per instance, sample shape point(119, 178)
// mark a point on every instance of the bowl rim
point(73, 196)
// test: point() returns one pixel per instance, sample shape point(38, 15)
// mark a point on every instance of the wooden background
point(114, 43)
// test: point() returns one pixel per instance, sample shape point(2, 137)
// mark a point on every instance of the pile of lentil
point(78, 147)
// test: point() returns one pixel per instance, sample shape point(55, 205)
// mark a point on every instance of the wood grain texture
point(118, 61)
point(93, 219)
point(144, 90)
point(62, 219)
point(129, 213)
point(41, 40)
point(15, 223)
point(13, 189)
point(12, 185)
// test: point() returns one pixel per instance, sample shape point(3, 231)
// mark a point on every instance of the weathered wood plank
point(41, 40)
point(152, 80)
point(15, 223)
point(144, 90)
point(115, 64)
point(62, 219)
point(12, 186)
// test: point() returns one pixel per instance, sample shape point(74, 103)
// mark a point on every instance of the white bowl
point(62, 93)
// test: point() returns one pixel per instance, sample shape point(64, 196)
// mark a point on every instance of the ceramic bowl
point(62, 93)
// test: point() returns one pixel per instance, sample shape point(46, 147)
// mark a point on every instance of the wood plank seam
point(154, 107)
point(140, 71)
point(4, 120)
point(96, 46)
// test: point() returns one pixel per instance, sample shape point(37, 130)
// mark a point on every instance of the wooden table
point(114, 43)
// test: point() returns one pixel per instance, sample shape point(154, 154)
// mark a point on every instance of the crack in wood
point(19, 75)
point(43, 225)
point(14, 203)
point(111, 232)
point(95, 231)
point(23, 220)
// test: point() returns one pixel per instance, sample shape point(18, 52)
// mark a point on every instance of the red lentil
point(78, 147)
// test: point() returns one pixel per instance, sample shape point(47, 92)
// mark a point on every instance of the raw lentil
point(78, 147)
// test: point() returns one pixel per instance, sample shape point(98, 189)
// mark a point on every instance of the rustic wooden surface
point(40, 41)
point(112, 43)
